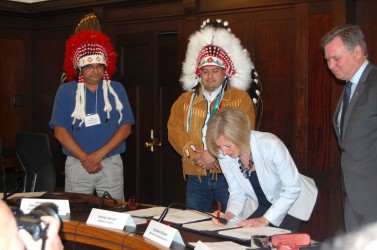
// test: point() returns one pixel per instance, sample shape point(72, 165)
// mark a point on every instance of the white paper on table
point(245, 233)
point(208, 226)
point(150, 212)
point(223, 245)
point(139, 221)
point(184, 216)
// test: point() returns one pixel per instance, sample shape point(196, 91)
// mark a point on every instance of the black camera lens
point(31, 222)
point(50, 209)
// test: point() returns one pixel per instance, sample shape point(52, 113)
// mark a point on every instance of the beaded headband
point(92, 59)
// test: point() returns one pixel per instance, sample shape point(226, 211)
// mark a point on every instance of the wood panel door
point(148, 69)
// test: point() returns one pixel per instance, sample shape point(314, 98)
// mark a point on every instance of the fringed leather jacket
point(185, 143)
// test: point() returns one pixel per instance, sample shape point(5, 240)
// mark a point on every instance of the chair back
point(8, 186)
point(34, 153)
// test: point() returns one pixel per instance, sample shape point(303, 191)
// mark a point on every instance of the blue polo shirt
point(94, 137)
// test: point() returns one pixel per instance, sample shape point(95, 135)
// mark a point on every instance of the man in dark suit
point(355, 122)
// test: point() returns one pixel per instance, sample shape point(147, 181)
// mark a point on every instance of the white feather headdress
point(225, 40)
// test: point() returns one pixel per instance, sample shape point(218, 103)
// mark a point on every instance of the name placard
point(163, 234)
point(109, 219)
point(28, 204)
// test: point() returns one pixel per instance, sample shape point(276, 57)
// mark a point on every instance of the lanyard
point(218, 102)
point(96, 101)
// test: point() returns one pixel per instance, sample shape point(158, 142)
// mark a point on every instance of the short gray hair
point(351, 35)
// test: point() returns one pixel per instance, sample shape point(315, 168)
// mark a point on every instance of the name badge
point(162, 234)
point(109, 219)
point(91, 120)
point(28, 204)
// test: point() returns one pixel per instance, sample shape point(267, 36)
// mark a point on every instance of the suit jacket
point(359, 143)
point(287, 190)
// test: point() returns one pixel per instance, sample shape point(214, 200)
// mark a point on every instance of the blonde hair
point(231, 123)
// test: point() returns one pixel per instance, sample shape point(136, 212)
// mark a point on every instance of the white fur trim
point(79, 111)
point(118, 104)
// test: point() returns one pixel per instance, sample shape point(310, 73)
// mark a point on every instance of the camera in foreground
point(32, 223)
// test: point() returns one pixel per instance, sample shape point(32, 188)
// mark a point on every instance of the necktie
point(346, 100)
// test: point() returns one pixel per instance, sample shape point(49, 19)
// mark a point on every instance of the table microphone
point(162, 217)
point(164, 213)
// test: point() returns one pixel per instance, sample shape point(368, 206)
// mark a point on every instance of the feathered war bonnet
point(90, 46)
point(215, 44)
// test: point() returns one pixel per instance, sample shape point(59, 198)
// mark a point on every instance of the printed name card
point(110, 219)
point(163, 234)
point(28, 204)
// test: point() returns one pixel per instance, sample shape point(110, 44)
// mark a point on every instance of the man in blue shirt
point(92, 117)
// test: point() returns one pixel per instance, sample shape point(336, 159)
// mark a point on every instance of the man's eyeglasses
point(94, 67)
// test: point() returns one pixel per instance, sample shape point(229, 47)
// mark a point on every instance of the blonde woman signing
point(265, 186)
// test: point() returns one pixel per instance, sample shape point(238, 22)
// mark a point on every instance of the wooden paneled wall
point(299, 95)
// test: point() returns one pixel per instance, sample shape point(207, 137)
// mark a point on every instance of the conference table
point(76, 234)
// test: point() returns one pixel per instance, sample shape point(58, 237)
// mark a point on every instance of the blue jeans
point(200, 195)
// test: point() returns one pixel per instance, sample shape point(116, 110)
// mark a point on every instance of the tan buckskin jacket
point(186, 142)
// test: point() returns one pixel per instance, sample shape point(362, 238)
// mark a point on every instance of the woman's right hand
point(217, 215)
point(227, 215)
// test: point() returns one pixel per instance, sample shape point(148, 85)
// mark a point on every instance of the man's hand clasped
point(92, 163)
point(205, 160)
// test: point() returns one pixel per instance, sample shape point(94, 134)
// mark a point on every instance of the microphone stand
point(102, 200)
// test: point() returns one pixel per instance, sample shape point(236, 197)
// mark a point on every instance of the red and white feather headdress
point(84, 48)
point(88, 47)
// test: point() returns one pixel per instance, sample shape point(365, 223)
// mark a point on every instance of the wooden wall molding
point(282, 37)
point(191, 8)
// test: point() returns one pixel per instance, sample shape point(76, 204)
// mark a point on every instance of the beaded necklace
point(246, 171)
